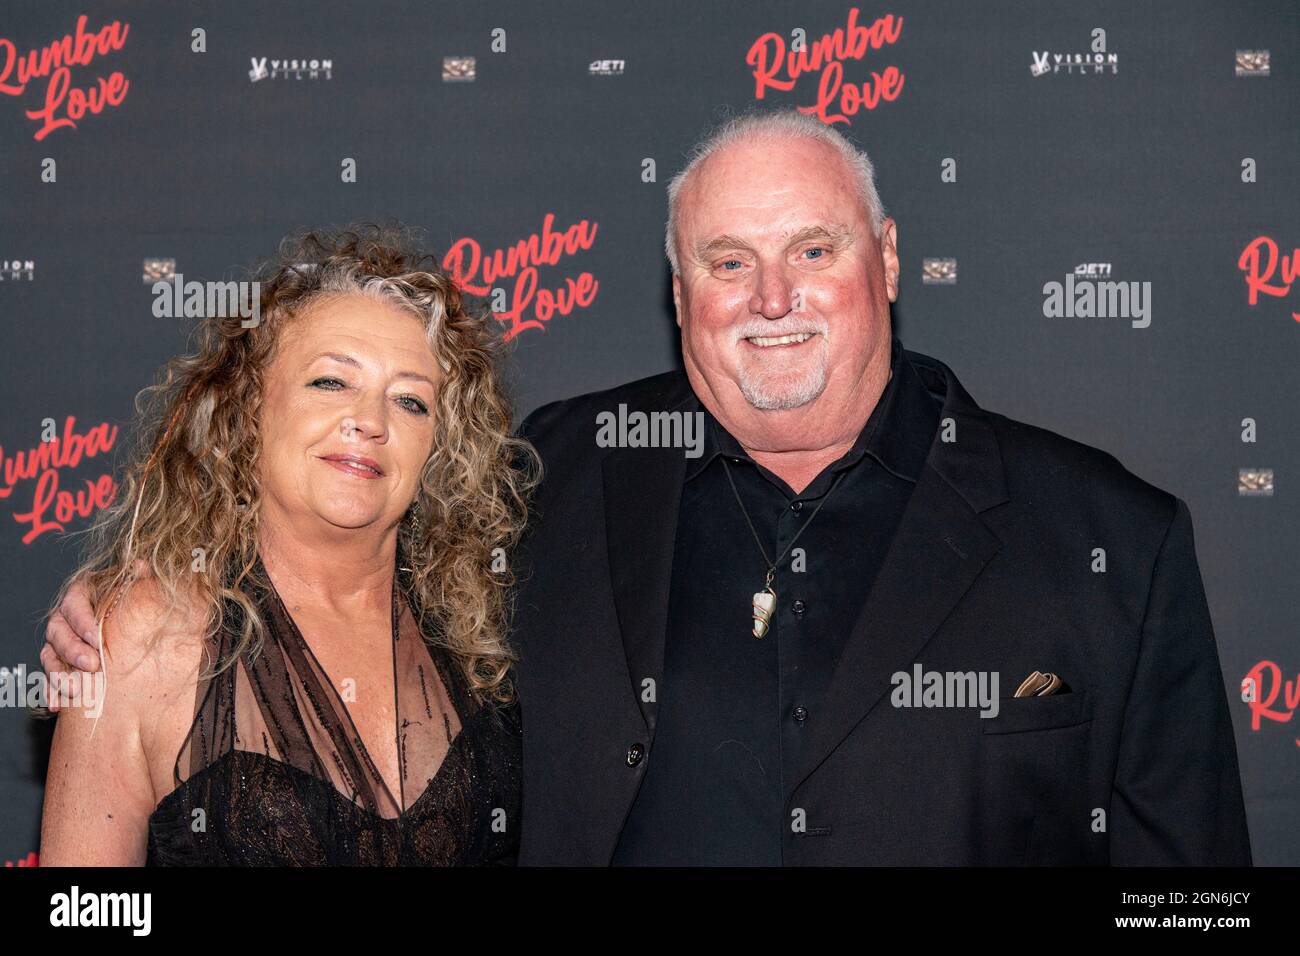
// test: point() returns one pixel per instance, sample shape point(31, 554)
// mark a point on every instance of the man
point(872, 623)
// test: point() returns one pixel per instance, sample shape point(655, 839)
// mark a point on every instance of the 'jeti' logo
point(65, 104)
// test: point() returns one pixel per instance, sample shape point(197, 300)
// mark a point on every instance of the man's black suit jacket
point(991, 569)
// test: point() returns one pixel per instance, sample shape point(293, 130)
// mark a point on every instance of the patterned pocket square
point(1041, 685)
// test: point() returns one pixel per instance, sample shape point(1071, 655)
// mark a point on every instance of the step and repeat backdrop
point(1028, 152)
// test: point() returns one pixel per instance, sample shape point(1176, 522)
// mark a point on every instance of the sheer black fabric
point(274, 773)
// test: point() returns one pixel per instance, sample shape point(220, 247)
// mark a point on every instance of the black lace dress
point(274, 773)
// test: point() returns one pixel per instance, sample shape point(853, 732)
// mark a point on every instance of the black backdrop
point(1159, 151)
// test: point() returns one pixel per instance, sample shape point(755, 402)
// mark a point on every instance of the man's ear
point(889, 257)
point(677, 297)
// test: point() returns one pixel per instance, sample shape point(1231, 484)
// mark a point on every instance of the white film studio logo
point(17, 270)
point(305, 69)
point(1096, 61)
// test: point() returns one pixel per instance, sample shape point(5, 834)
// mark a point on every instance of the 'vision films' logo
point(1095, 61)
point(313, 68)
point(17, 270)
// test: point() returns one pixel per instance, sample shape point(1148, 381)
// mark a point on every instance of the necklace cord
point(771, 565)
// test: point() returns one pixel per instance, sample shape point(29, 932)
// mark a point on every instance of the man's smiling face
point(783, 292)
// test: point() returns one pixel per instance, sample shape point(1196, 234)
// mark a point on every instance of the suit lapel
point(939, 549)
point(643, 488)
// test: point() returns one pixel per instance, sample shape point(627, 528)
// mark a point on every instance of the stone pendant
point(764, 607)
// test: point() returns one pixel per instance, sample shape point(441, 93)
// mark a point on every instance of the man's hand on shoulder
point(72, 639)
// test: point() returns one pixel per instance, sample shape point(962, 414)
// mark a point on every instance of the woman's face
point(347, 415)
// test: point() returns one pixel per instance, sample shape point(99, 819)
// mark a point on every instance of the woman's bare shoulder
point(106, 773)
point(154, 641)
point(155, 653)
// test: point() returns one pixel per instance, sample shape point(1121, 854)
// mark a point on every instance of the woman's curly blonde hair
point(193, 479)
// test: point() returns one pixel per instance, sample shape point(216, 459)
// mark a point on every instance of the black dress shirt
point(734, 711)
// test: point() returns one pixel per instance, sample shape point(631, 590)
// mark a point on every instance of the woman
point(301, 592)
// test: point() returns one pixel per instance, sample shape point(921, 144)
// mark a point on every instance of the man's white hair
point(776, 125)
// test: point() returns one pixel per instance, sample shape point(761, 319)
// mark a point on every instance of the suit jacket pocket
point(1020, 714)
